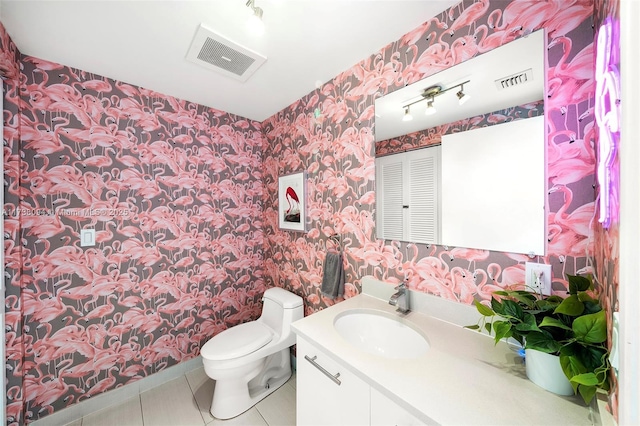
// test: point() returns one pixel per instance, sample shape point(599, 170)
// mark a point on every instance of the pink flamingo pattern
point(174, 191)
point(184, 200)
point(341, 166)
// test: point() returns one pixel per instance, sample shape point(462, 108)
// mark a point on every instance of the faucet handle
point(401, 286)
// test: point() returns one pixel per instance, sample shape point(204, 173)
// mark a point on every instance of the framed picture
point(292, 201)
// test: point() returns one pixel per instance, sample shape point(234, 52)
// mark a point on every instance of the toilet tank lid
point(237, 341)
point(283, 297)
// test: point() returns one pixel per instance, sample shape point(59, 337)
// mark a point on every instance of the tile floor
point(185, 401)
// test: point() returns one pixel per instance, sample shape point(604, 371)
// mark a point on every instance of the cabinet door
point(390, 177)
point(320, 400)
point(408, 196)
point(385, 412)
point(423, 196)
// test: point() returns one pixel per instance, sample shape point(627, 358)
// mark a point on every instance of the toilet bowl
point(251, 360)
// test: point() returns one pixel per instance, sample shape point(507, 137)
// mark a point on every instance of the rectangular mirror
point(504, 85)
point(488, 198)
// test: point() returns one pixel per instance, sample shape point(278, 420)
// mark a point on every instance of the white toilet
point(251, 360)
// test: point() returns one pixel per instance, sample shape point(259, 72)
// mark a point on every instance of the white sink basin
point(380, 333)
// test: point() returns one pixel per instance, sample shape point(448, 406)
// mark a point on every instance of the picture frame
point(292, 201)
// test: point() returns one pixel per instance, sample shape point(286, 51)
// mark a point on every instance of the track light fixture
point(407, 114)
point(255, 24)
point(430, 93)
point(430, 108)
point(462, 97)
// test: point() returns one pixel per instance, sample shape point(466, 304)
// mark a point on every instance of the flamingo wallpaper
point(184, 202)
point(330, 133)
point(174, 192)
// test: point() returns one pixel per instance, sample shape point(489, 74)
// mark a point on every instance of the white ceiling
point(145, 42)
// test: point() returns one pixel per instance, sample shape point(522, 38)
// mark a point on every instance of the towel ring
point(336, 240)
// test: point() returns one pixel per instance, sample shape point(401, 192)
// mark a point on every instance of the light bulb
point(407, 115)
point(462, 97)
point(430, 108)
point(255, 25)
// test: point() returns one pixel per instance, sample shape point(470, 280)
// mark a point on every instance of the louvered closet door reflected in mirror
point(408, 193)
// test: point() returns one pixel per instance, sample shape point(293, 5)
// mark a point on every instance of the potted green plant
point(573, 328)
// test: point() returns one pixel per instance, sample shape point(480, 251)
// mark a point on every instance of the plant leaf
point(588, 379)
point(591, 307)
point(545, 306)
point(484, 310)
point(487, 326)
point(502, 330)
point(542, 341)
point(570, 306)
point(571, 366)
point(592, 357)
point(524, 297)
point(554, 299)
point(497, 306)
point(591, 328)
point(553, 322)
point(512, 310)
point(578, 283)
point(583, 296)
point(529, 323)
point(587, 393)
point(472, 327)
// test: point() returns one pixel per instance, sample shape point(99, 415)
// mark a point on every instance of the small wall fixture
point(430, 93)
point(407, 114)
point(462, 97)
point(430, 108)
point(255, 25)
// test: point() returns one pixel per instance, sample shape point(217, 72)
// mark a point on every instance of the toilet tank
point(280, 309)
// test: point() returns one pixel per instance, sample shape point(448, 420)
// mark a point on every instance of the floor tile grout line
point(260, 414)
point(193, 394)
point(204, 421)
point(141, 410)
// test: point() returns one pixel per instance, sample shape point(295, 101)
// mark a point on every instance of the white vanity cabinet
point(352, 402)
point(320, 399)
point(385, 412)
point(379, 390)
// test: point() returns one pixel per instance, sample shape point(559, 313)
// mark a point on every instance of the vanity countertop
point(463, 379)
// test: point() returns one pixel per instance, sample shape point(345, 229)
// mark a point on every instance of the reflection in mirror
point(489, 88)
point(503, 85)
point(408, 190)
point(488, 198)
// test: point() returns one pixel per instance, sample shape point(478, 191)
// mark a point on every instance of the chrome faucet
point(401, 298)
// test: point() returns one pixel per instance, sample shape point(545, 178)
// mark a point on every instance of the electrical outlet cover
point(613, 356)
point(531, 271)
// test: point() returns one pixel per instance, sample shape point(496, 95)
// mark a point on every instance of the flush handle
point(323, 370)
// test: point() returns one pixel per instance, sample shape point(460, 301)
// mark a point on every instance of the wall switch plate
point(87, 237)
point(538, 277)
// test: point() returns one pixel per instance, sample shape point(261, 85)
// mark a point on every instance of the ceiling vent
point(516, 79)
point(213, 51)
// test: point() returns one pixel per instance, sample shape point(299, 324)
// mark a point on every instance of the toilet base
point(232, 397)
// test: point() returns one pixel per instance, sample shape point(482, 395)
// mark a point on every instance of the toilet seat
point(237, 341)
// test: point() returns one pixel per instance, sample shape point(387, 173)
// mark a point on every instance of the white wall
point(629, 292)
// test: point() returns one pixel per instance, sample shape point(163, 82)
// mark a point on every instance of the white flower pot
point(545, 371)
